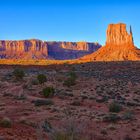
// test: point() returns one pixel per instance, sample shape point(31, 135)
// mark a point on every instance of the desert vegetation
point(100, 100)
point(18, 74)
point(48, 92)
point(41, 78)
point(71, 79)
point(115, 107)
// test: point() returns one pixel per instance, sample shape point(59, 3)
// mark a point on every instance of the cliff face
point(81, 46)
point(70, 50)
point(37, 49)
point(119, 46)
point(118, 35)
point(24, 49)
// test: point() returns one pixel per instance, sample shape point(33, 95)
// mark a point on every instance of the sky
point(66, 20)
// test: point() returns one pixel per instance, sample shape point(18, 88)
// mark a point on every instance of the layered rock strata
point(37, 49)
point(119, 46)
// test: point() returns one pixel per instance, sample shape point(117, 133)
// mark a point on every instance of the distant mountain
point(119, 46)
point(37, 49)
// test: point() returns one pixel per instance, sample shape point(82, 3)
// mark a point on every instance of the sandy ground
point(83, 106)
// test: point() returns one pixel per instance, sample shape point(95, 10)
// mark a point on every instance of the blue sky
point(66, 20)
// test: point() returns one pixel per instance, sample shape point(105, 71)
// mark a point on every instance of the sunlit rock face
point(24, 49)
point(117, 35)
point(119, 46)
point(37, 49)
point(79, 46)
point(70, 50)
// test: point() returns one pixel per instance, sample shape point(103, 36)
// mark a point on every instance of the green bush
point(19, 74)
point(72, 75)
point(41, 78)
point(48, 91)
point(69, 82)
point(115, 107)
point(5, 122)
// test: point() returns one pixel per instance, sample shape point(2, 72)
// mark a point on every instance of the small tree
point(48, 91)
point(19, 74)
point(41, 78)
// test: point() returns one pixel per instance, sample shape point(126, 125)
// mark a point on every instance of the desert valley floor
point(103, 102)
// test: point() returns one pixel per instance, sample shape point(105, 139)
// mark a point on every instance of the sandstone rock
point(118, 35)
point(23, 49)
point(119, 46)
point(37, 49)
point(70, 50)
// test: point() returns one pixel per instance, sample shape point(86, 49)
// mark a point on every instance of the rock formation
point(118, 35)
point(24, 49)
point(37, 49)
point(119, 46)
point(70, 50)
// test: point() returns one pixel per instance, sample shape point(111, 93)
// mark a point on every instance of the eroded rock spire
point(117, 35)
point(119, 46)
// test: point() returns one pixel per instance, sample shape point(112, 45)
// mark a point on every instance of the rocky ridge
point(37, 49)
point(70, 50)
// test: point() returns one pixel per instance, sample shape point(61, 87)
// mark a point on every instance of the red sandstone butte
point(119, 46)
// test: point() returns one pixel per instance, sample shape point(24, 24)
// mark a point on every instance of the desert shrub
point(47, 126)
point(72, 75)
point(6, 123)
point(19, 74)
point(60, 136)
point(41, 78)
point(111, 118)
point(34, 82)
point(71, 80)
point(21, 97)
point(48, 91)
point(65, 136)
point(43, 102)
point(128, 115)
point(115, 107)
point(71, 129)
